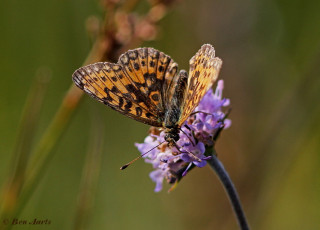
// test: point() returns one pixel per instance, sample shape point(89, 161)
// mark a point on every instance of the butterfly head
point(172, 134)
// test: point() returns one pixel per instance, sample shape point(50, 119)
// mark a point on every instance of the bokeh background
point(271, 54)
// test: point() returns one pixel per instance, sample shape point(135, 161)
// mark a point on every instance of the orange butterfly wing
point(204, 71)
point(134, 86)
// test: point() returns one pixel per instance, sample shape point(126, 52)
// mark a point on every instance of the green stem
point(217, 166)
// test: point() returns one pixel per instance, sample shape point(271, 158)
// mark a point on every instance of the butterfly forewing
point(204, 70)
point(108, 83)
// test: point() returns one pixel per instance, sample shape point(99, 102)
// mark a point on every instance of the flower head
point(197, 133)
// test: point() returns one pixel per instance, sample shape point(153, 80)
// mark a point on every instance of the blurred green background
point(271, 54)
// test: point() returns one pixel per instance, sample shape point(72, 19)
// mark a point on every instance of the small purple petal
point(185, 171)
point(227, 123)
point(185, 157)
point(226, 102)
point(157, 177)
point(200, 164)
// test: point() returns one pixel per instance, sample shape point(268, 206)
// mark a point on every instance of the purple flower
point(197, 133)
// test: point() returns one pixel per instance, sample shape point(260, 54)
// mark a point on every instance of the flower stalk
point(230, 189)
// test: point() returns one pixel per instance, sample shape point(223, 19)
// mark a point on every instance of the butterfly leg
point(226, 114)
point(191, 134)
point(188, 135)
point(217, 133)
point(200, 112)
point(186, 151)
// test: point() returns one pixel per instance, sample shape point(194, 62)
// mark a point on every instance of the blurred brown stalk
point(90, 176)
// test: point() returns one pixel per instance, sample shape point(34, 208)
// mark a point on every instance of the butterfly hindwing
point(204, 70)
point(152, 72)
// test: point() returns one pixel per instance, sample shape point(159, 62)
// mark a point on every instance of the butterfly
point(145, 85)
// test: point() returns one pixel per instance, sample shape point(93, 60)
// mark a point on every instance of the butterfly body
point(173, 114)
point(145, 85)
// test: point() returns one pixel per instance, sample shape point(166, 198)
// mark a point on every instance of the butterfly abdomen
point(172, 115)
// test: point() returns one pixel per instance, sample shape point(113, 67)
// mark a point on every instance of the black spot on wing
point(152, 63)
point(160, 68)
point(121, 101)
point(128, 106)
point(140, 97)
point(115, 90)
point(155, 97)
point(148, 115)
point(131, 88)
point(139, 111)
point(136, 66)
point(108, 98)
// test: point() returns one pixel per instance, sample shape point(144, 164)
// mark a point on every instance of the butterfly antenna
point(142, 155)
point(188, 135)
